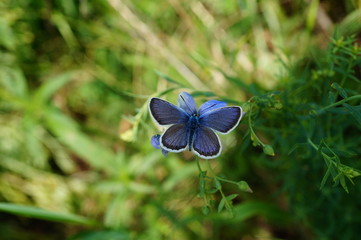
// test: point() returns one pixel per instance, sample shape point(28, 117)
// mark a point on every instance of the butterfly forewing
point(165, 113)
point(210, 105)
point(223, 119)
point(206, 143)
point(187, 103)
point(175, 138)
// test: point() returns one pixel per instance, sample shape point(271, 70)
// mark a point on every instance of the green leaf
point(105, 234)
point(217, 184)
point(354, 112)
point(7, 38)
point(33, 134)
point(312, 15)
point(231, 197)
point(60, 21)
point(39, 213)
point(343, 182)
point(14, 81)
point(241, 83)
point(221, 205)
point(212, 203)
point(61, 156)
point(203, 93)
point(66, 130)
point(228, 203)
point(339, 89)
point(351, 23)
point(331, 97)
point(169, 79)
point(212, 190)
point(47, 89)
point(325, 177)
point(179, 176)
point(118, 212)
point(296, 146)
point(253, 208)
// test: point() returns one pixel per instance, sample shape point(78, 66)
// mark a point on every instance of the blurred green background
point(75, 155)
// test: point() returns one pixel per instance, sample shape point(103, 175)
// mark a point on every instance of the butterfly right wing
point(210, 105)
point(165, 113)
point(223, 119)
point(206, 143)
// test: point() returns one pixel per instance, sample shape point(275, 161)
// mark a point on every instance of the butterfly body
point(193, 124)
point(192, 129)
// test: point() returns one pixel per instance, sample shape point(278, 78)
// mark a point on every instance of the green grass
point(75, 133)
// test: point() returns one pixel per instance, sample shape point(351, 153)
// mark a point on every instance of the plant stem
point(339, 103)
point(324, 155)
point(253, 134)
point(227, 204)
point(198, 164)
point(349, 66)
point(210, 168)
point(226, 180)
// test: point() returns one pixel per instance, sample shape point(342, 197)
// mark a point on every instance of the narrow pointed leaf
point(38, 213)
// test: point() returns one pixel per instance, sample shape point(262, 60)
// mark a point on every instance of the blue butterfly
point(192, 129)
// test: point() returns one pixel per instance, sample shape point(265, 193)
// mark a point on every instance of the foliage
point(75, 77)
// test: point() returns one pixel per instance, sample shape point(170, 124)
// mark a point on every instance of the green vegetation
point(76, 161)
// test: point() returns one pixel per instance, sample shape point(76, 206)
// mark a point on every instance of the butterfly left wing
point(175, 138)
point(223, 119)
point(165, 113)
point(206, 143)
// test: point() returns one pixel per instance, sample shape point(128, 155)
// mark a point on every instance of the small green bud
point(205, 210)
point(243, 186)
point(278, 105)
point(217, 184)
point(268, 149)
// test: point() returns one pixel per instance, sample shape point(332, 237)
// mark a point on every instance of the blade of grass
point(43, 214)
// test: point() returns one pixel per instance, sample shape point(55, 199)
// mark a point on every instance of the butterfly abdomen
point(192, 126)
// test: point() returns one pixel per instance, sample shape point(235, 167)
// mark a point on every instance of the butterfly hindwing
point(165, 113)
point(175, 138)
point(223, 119)
point(206, 143)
